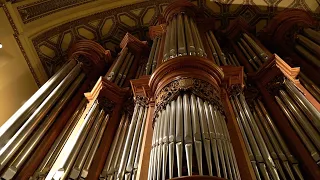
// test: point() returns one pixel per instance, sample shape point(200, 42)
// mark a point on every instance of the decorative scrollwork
point(141, 100)
point(106, 104)
point(234, 89)
point(275, 85)
point(200, 88)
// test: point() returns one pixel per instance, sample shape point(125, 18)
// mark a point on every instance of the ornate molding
point(141, 100)
point(106, 104)
point(198, 87)
point(36, 10)
point(275, 84)
point(16, 37)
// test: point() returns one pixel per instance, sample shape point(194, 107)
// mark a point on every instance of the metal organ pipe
point(184, 121)
point(75, 172)
point(84, 130)
point(85, 169)
point(263, 56)
point(40, 132)
point(312, 34)
point(56, 148)
point(11, 126)
point(29, 126)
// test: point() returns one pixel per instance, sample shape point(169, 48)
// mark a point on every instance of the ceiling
point(109, 24)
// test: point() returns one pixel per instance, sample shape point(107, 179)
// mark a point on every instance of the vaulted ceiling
point(107, 24)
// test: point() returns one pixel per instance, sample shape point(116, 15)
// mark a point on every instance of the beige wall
point(16, 81)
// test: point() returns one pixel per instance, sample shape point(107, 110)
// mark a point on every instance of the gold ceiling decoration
point(108, 27)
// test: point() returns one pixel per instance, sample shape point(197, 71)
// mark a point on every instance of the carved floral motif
point(198, 87)
point(275, 84)
point(106, 104)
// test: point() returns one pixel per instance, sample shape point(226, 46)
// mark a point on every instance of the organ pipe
point(84, 130)
point(115, 68)
point(56, 148)
point(312, 34)
point(307, 142)
point(76, 170)
point(11, 126)
point(40, 132)
point(85, 169)
point(310, 45)
point(310, 57)
point(29, 126)
point(196, 125)
point(263, 56)
point(151, 56)
point(311, 131)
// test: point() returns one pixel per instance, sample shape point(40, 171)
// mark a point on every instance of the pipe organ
point(198, 103)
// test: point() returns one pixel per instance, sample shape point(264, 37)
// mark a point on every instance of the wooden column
point(140, 87)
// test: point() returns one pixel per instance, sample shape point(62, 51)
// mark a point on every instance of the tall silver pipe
point(253, 143)
point(114, 145)
point(244, 51)
point(313, 151)
point(196, 40)
point(256, 47)
point(236, 60)
point(197, 139)
point(173, 38)
point(150, 171)
point(199, 38)
point(165, 139)
point(29, 126)
point(214, 52)
point(179, 134)
point(235, 169)
point(84, 130)
point(309, 56)
point(182, 50)
point(172, 132)
point(231, 60)
point(94, 148)
point(311, 87)
point(309, 129)
point(11, 126)
point(155, 148)
point(134, 143)
point(190, 42)
point(160, 145)
point(310, 45)
point(213, 138)
point(122, 68)
point(221, 150)
point(268, 143)
point(282, 144)
point(115, 68)
point(205, 135)
point(166, 48)
point(59, 143)
point(137, 158)
point(246, 142)
point(40, 132)
point(126, 71)
point(116, 159)
point(217, 47)
point(312, 34)
point(82, 156)
point(124, 157)
point(187, 127)
point(156, 168)
point(312, 113)
point(264, 151)
point(151, 56)
point(156, 56)
point(251, 53)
